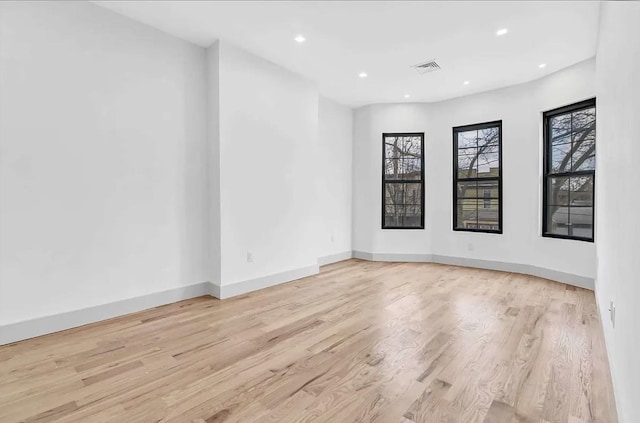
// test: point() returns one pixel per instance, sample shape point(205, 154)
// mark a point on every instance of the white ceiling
point(384, 39)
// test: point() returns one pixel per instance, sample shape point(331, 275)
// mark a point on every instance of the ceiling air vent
point(426, 67)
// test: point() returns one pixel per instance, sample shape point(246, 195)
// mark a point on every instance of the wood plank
point(361, 341)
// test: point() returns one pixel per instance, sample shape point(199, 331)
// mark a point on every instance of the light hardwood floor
point(361, 342)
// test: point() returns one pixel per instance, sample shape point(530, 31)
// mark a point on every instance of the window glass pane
point(560, 125)
point(403, 204)
point(467, 139)
point(489, 137)
point(390, 149)
point(403, 169)
point(412, 216)
point(581, 191)
point(558, 191)
point(394, 194)
point(392, 169)
point(489, 187)
point(399, 215)
point(570, 221)
point(486, 199)
point(412, 147)
point(584, 119)
point(395, 147)
point(558, 220)
point(488, 164)
point(581, 134)
point(488, 215)
point(467, 163)
point(391, 218)
point(467, 189)
point(412, 194)
point(560, 154)
point(489, 149)
point(564, 139)
point(403, 216)
point(467, 214)
point(584, 151)
point(411, 169)
point(581, 219)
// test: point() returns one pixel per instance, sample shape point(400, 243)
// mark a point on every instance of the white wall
point(134, 163)
point(335, 146)
point(520, 109)
point(617, 202)
point(268, 162)
point(369, 124)
point(102, 176)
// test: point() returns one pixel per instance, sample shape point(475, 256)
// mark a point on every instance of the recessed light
point(407, 96)
point(502, 31)
point(542, 65)
point(363, 75)
point(466, 82)
point(300, 39)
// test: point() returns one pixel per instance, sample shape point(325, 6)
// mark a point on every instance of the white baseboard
point(334, 258)
point(555, 275)
point(19, 331)
point(393, 257)
point(242, 287)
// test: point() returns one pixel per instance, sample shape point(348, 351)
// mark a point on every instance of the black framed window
point(477, 177)
point(569, 171)
point(403, 181)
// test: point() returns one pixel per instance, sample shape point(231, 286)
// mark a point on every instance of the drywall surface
point(520, 109)
point(103, 171)
point(268, 164)
point(617, 205)
point(334, 181)
point(369, 124)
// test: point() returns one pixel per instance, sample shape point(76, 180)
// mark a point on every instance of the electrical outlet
point(470, 246)
point(612, 313)
point(249, 257)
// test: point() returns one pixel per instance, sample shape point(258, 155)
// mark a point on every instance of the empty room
point(319, 211)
